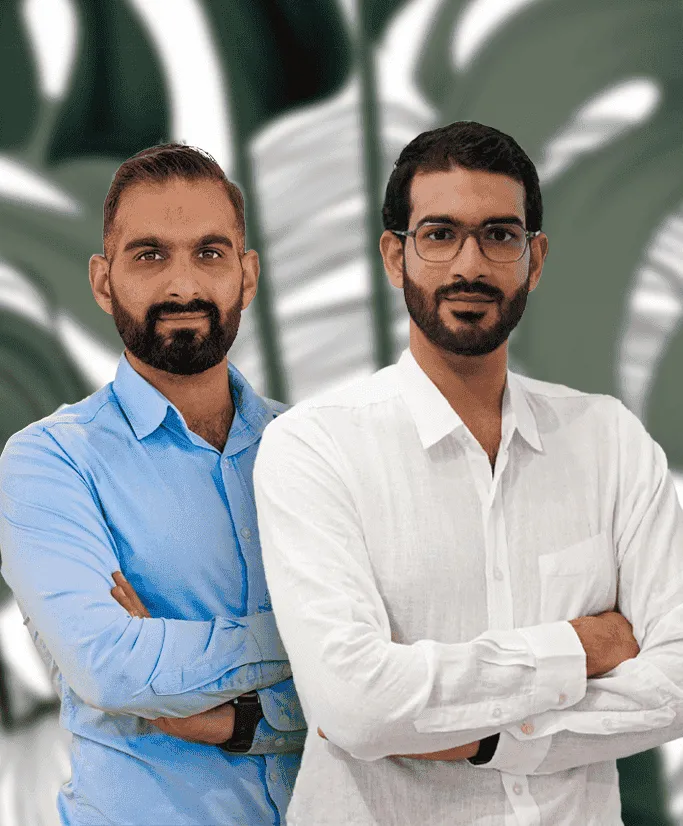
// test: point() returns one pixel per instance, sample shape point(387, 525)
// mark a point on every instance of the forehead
point(468, 195)
point(175, 210)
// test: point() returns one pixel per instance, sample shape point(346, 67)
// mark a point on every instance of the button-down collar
point(146, 408)
point(435, 418)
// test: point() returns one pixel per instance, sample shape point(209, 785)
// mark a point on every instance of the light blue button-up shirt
point(118, 482)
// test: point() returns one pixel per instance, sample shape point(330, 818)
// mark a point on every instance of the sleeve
point(58, 556)
point(283, 727)
point(639, 704)
point(373, 697)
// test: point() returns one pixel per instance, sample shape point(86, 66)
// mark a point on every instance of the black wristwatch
point(248, 712)
point(487, 748)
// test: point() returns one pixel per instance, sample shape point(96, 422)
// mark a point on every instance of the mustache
point(481, 289)
point(197, 305)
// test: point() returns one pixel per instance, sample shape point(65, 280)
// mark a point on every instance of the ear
point(538, 249)
point(251, 268)
point(98, 271)
point(392, 250)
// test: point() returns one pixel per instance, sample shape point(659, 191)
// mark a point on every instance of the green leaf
point(18, 92)
point(117, 103)
point(599, 219)
point(664, 412)
point(36, 374)
point(376, 15)
point(547, 60)
point(278, 54)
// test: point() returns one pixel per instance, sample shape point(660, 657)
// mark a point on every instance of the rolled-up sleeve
point(58, 556)
point(373, 697)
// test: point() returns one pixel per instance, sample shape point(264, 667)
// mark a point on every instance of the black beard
point(188, 352)
point(473, 340)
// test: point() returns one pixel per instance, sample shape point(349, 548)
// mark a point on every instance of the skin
point(473, 385)
point(179, 269)
point(179, 214)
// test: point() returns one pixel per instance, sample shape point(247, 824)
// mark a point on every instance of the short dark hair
point(467, 144)
point(161, 163)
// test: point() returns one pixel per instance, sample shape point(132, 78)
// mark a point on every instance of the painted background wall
point(306, 104)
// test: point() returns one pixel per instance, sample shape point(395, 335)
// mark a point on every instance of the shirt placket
point(499, 590)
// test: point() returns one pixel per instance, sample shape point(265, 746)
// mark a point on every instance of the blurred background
point(306, 104)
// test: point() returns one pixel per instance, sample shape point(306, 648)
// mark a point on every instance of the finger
point(131, 593)
point(321, 733)
point(122, 598)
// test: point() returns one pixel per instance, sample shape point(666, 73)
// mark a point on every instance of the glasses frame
point(470, 230)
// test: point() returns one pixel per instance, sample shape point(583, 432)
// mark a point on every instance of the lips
point(183, 316)
point(470, 299)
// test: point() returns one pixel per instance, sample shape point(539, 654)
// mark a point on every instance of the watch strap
point(248, 713)
point(487, 748)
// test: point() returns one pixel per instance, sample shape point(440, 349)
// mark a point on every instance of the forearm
point(134, 669)
point(634, 708)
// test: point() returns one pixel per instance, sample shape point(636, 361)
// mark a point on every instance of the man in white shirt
point(432, 533)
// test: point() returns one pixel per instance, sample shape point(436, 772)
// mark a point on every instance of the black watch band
point(487, 748)
point(248, 712)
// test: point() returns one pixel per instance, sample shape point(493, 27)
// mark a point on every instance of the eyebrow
point(493, 219)
point(152, 242)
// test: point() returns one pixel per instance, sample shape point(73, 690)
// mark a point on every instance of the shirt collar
point(146, 408)
point(435, 418)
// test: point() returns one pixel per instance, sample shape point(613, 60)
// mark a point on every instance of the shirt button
point(280, 741)
point(527, 728)
point(517, 788)
point(562, 699)
point(497, 573)
point(273, 777)
point(497, 712)
point(606, 723)
point(246, 533)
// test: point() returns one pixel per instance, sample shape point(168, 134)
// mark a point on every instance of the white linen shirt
point(423, 600)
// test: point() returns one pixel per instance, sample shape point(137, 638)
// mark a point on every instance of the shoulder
point(568, 401)
point(53, 433)
point(362, 399)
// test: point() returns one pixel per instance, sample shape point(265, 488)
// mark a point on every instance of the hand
point(210, 727)
point(450, 755)
point(124, 593)
point(607, 640)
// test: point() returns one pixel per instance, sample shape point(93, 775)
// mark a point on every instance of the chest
point(184, 525)
point(456, 549)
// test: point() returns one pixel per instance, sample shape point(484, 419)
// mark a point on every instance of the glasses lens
point(502, 243)
point(437, 242)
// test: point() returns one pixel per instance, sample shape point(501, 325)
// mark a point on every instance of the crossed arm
point(375, 698)
point(58, 555)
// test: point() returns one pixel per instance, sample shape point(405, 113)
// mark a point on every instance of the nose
point(470, 262)
point(183, 284)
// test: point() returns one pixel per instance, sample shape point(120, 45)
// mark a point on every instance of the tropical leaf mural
point(311, 104)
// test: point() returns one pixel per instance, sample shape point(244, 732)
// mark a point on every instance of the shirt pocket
point(580, 580)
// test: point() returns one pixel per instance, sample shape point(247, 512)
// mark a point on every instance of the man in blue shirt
point(152, 476)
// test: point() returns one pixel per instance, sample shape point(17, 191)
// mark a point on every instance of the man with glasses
point(478, 577)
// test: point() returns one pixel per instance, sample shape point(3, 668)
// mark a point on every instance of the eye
point(150, 255)
point(209, 254)
point(439, 234)
point(502, 234)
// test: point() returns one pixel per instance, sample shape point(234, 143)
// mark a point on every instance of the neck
point(472, 385)
point(202, 399)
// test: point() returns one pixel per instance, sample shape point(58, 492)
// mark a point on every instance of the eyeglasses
point(439, 243)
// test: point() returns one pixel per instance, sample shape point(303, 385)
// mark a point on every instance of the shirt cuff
point(560, 663)
point(517, 757)
point(268, 740)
